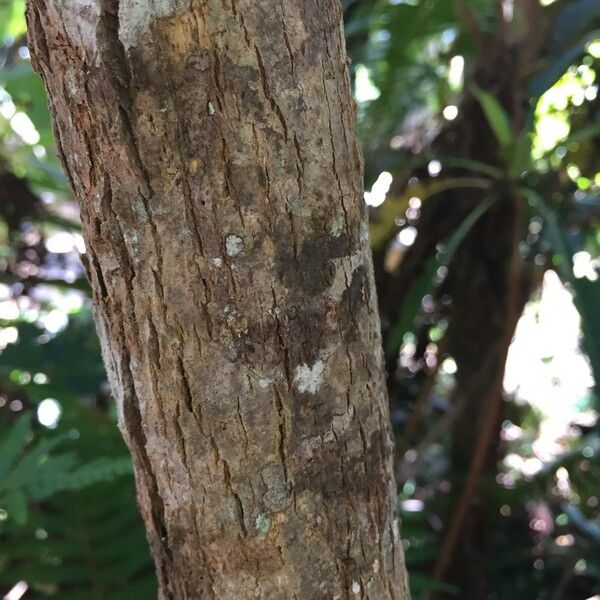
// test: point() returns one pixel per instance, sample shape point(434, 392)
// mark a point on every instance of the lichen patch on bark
point(308, 379)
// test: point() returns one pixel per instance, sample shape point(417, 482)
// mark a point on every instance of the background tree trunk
point(211, 146)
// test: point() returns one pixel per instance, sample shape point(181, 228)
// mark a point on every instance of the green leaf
point(29, 95)
point(472, 165)
point(36, 473)
point(384, 226)
point(16, 439)
point(521, 156)
point(15, 504)
point(574, 19)
point(101, 469)
point(557, 65)
point(461, 233)
point(12, 19)
point(95, 546)
point(496, 116)
point(31, 465)
point(426, 283)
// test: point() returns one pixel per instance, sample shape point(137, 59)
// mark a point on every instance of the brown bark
point(211, 146)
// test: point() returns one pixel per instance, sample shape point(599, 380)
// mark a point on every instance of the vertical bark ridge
point(211, 146)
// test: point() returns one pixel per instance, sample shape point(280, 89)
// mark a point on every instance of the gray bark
point(211, 146)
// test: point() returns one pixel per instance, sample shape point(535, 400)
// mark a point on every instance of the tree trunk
point(211, 146)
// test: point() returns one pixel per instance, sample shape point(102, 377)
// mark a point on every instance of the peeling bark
point(211, 146)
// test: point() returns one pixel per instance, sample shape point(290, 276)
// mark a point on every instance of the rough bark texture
point(211, 146)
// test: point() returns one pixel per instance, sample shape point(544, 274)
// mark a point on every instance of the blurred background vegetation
point(480, 124)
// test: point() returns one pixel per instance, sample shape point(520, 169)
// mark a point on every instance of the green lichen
point(263, 523)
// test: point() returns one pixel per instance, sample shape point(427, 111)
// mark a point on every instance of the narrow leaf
point(495, 115)
point(426, 283)
point(15, 441)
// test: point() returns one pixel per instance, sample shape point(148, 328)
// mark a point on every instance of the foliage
point(68, 521)
point(85, 544)
point(434, 72)
point(34, 474)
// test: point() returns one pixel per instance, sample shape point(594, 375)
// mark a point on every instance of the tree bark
point(211, 146)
